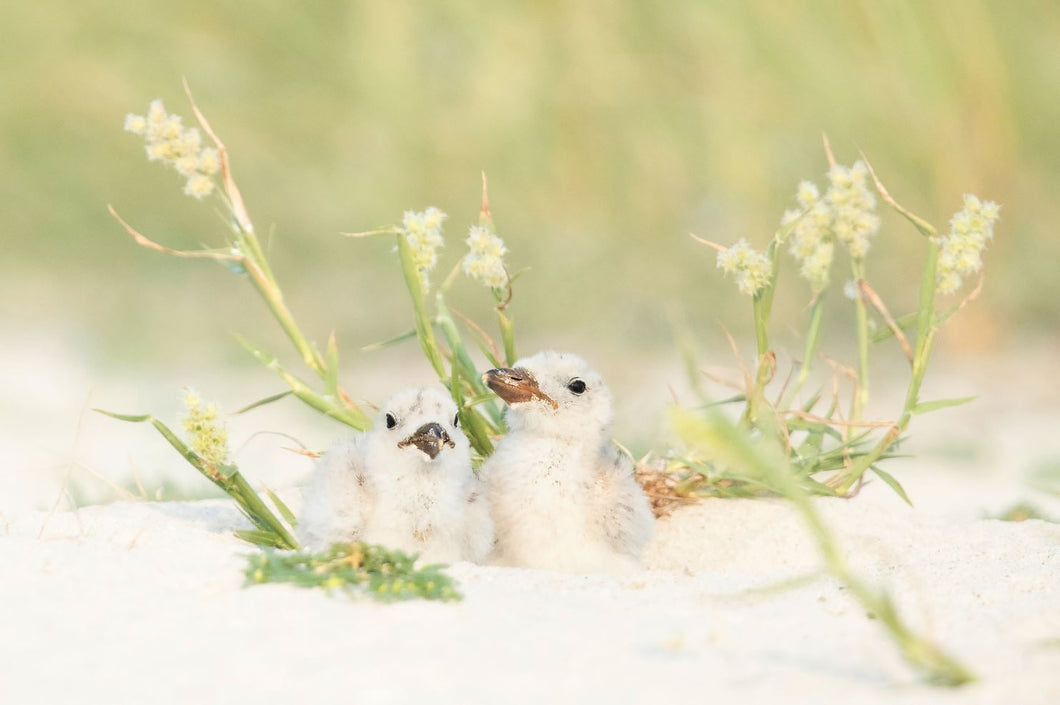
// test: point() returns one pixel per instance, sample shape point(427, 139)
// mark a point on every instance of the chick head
point(553, 393)
point(420, 427)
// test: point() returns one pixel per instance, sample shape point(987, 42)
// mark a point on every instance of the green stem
point(258, 512)
point(813, 341)
point(462, 361)
point(507, 337)
point(927, 326)
point(763, 305)
point(861, 397)
point(261, 275)
point(472, 420)
point(763, 300)
point(249, 244)
point(349, 415)
point(424, 326)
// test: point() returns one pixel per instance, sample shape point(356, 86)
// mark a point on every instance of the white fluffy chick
point(562, 496)
point(407, 484)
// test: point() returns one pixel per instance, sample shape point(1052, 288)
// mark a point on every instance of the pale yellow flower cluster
point(961, 252)
point(209, 438)
point(810, 241)
point(853, 207)
point(485, 260)
point(423, 232)
point(751, 269)
point(846, 212)
point(178, 146)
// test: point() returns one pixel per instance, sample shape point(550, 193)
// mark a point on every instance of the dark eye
point(456, 421)
point(577, 386)
point(391, 422)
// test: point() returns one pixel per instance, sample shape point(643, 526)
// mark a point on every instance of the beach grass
point(773, 437)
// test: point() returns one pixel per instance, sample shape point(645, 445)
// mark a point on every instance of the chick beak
point(430, 438)
point(515, 386)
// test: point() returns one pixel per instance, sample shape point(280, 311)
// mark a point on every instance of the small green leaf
point(132, 418)
point(722, 402)
point(812, 402)
point(331, 372)
point(262, 402)
point(928, 406)
point(259, 354)
point(259, 537)
point(480, 399)
point(815, 487)
point(905, 323)
point(893, 484)
point(374, 347)
point(285, 511)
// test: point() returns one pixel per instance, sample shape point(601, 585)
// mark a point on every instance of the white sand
point(144, 602)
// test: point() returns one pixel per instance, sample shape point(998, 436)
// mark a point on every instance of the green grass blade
point(132, 418)
point(284, 510)
point(262, 402)
point(925, 407)
point(905, 323)
point(731, 400)
point(893, 484)
point(331, 369)
point(227, 477)
point(390, 342)
point(259, 537)
point(329, 406)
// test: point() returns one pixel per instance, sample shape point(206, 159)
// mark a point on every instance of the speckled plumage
point(563, 497)
point(379, 488)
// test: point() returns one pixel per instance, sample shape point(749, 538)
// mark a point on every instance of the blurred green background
point(609, 130)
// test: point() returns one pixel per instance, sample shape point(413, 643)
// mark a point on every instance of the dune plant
point(355, 569)
point(829, 446)
point(779, 443)
point(418, 239)
point(207, 452)
point(207, 173)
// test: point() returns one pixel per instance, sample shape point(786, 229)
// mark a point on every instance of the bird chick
point(407, 484)
point(562, 496)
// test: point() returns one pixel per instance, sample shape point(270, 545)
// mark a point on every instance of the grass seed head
point(853, 207)
point(751, 269)
point(208, 436)
point(484, 261)
point(810, 241)
point(423, 231)
point(961, 252)
point(168, 141)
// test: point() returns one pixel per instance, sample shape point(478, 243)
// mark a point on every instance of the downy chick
point(407, 484)
point(562, 496)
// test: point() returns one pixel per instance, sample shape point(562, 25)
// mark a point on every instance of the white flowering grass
point(168, 141)
point(782, 442)
point(423, 233)
point(484, 261)
point(961, 251)
point(750, 269)
point(844, 446)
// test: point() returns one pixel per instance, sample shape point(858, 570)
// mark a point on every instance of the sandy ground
point(140, 601)
point(144, 602)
